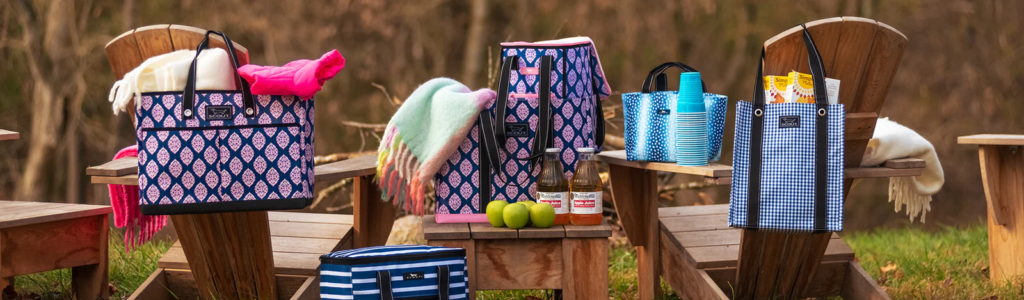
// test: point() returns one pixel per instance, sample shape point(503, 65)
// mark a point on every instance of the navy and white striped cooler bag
point(205, 151)
point(549, 95)
point(788, 160)
point(394, 272)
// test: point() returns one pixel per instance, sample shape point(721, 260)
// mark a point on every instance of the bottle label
point(560, 201)
point(586, 202)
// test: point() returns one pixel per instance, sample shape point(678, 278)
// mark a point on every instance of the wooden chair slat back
point(864, 55)
point(130, 49)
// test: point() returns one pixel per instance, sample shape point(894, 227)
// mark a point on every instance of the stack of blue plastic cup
point(691, 122)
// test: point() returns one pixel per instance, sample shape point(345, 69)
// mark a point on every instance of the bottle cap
point(588, 150)
point(553, 150)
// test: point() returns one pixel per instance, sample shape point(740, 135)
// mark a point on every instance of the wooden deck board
point(297, 242)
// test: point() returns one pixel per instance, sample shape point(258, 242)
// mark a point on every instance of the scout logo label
point(412, 276)
point(789, 121)
point(664, 111)
point(220, 112)
point(529, 71)
point(517, 129)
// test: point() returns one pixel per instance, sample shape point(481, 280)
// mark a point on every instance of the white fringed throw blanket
point(893, 141)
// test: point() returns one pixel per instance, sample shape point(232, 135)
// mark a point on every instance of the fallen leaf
point(112, 288)
point(889, 267)
point(948, 282)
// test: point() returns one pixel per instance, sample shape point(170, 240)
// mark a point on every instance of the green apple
point(494, 212)
point(542, 215)
point(515, 215)
point(528, 205)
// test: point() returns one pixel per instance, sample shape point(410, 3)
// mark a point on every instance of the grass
point(951, 263)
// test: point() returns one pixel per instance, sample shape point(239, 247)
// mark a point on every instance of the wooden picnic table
point(1002, 175)
point(44, 236)
point(635, 194)
point(570, 258)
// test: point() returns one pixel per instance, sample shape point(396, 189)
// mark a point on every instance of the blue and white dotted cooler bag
point(394, 272)
point(788, 160)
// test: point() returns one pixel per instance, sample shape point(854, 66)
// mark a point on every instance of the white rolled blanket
point(893, 141)
point(169, 72)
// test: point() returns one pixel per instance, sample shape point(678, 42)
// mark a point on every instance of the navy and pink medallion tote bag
point(548, 91)
point(222, 151)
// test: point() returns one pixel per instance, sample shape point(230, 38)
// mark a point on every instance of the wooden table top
point(20, 213)
point(126, 170)
point(462, 231)
point(6, 135)
point(298, 240)
point(992, 139)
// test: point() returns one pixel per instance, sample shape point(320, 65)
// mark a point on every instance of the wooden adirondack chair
point(698, 250)
point(231, 255)
point(864, 55)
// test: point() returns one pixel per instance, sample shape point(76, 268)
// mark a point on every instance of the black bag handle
point(384, 284)
point(188, 96)
point(817, 68)
point(661, 83)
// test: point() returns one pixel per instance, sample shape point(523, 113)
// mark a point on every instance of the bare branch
point(331, 190)
point(393, 100)
point(361, 125)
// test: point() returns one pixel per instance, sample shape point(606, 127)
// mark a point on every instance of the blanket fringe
point(902, 192)
point(397, 175)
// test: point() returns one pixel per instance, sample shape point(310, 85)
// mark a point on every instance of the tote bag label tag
point(664, 112)
point(412, 276)
point(517, 129)
point(220, 112)
point(789, 121)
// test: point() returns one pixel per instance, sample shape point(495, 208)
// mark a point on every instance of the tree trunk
point(475, 44)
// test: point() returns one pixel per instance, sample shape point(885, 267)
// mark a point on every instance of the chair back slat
point(864, 55)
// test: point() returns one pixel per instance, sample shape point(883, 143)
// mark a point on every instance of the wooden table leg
point(373, 217)
point(91, 282)
point(635, 194)
point(585, 268)
point(230, 254)
point(1002, 172)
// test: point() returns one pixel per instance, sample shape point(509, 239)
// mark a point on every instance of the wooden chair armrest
point(6, 135)
point(992, 139)
point(115, 168)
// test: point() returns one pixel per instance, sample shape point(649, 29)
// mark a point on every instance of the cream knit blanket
point(892, 141)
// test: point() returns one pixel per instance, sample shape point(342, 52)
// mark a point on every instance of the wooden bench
point(42, 236)
point(573, 259)
point(1002, 175)
point(298, 241)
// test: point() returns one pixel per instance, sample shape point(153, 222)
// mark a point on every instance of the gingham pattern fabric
point(575, 72)
point(650, 121)
point(263, 158)
point(359, 281)
point(787, 169)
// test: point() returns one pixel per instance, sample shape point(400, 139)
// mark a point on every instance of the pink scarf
point(125, 201)
point(302, 78)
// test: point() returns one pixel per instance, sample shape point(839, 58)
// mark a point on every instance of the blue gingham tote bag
point(788, 160)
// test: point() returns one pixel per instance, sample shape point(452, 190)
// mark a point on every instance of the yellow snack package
point(775, 89)
point(801, 88)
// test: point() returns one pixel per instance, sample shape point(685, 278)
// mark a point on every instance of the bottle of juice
point(586, 191)
point(552, 187)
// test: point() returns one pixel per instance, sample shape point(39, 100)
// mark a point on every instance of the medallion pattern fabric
point(256, 163)
point(575, 76)
point(788, 166)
